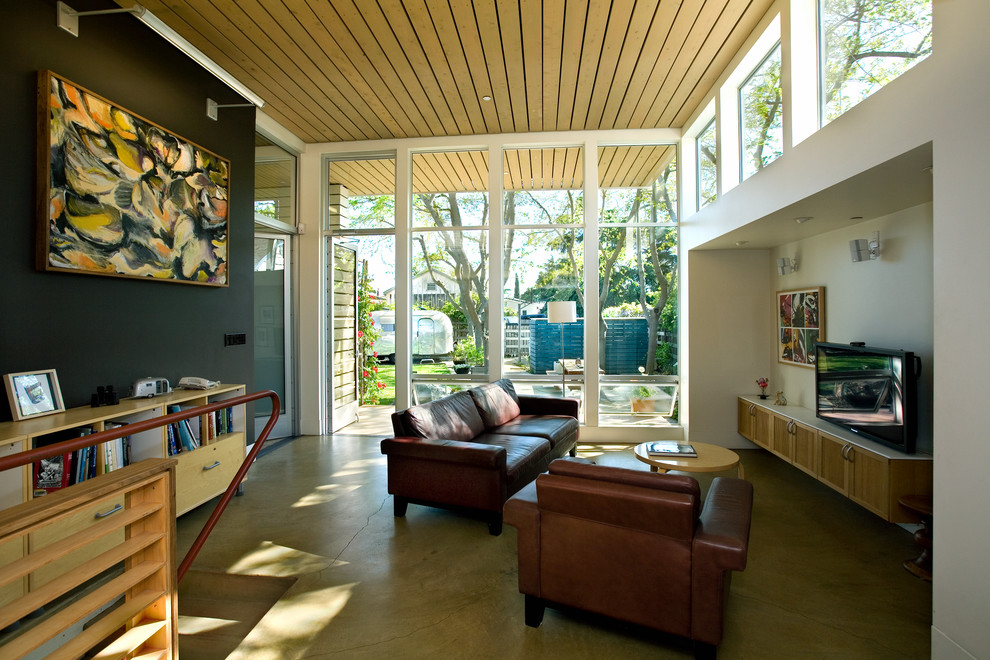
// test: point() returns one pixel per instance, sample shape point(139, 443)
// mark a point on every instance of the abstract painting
point(122, 196)
point(800, 325)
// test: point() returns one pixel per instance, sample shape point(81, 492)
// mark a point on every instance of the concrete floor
point(824, 578)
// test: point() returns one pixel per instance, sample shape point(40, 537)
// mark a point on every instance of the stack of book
point(670, 449)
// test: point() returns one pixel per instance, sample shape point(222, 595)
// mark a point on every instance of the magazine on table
point(668, 449)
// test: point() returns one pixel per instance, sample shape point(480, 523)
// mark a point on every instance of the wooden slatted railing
point(124, 587)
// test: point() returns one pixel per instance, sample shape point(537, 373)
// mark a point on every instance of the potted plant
point(467, 354)
point(642, 399)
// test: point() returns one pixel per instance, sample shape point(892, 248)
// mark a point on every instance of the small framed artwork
point(33, 394)
point(800, 325)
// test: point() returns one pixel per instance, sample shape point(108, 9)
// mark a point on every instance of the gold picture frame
point(121, 196)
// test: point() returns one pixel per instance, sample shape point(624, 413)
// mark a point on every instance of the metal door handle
point(210, 467)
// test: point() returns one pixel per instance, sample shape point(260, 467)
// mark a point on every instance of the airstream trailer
point(432, 334)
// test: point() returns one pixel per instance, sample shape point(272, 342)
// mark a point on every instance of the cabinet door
point(745, 413)
point(782, 439)
point(832, 464)
point(762, 427)
point(803, 440)
point(868, 484)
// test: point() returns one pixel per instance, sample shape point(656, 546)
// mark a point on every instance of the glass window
point(867, 43)
point(450, 251)
point(543, 255)
point(761, 111)
point(362, 194)
point(637, 265)
point(707, 166)
point(274, 183)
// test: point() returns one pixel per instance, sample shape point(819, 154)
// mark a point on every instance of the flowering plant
point(762, 382)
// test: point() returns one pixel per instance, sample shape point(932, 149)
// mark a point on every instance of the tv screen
point(869, 391)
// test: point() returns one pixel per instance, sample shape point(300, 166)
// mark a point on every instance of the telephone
point(193, 383)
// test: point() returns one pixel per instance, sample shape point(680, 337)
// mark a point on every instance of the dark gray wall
point(100, 330)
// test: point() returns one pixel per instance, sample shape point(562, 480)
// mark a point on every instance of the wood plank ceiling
point(346, 70)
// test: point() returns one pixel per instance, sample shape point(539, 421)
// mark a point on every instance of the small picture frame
point(33, 394)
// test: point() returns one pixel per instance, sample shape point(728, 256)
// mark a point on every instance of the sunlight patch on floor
point(324, 494)
point(279, 561)
point(295, 621)
point(194, 625)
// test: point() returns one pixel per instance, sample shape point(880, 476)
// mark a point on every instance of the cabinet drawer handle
point(845, 452)
point(112, 511)
point(210, 467)
point(752, 410)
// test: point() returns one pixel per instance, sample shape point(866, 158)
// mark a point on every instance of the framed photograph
point(33, 394)
point(800, 325)
point(121, 196)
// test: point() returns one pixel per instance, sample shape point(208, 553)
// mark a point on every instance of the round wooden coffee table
point(710, 458)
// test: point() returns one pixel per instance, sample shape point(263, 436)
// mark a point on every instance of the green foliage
point(370, 384)
point(453, 312)
point(868, 43)
point(625, 310)
point(666, 359)
point(465, 351)
point(267, 208)
point(762, 112)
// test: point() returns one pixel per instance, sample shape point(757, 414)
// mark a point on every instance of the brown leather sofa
point(475, 448)
point(632, 545)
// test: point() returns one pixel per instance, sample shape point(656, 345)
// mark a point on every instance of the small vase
point(763, 395)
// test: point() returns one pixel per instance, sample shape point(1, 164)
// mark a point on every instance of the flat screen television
point(870, 391)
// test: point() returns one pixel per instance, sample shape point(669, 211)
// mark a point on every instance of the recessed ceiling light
point(486, 98)
point(741, 243)
point(803, 219)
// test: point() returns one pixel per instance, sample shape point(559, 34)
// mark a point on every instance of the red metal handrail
point(73, 444)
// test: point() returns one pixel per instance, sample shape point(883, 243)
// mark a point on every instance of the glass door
point(272, 325)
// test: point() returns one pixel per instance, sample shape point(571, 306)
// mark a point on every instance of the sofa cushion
point(555, 428)
point(453, 417)
point(497, 402)
point(525, 457)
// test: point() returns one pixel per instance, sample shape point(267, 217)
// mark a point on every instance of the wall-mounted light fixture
point(861, 248)
point(67, 18)
point(787, 265)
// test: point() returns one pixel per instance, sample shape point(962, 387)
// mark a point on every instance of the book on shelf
point(173, 442)
point(183, 430)
point(53, 473)
point(670, 448)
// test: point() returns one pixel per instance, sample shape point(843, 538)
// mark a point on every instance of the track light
point(67, 18)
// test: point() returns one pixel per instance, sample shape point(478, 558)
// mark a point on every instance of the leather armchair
point(635, 546)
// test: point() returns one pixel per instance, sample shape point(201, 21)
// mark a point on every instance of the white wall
point(942, 100)
point(729, 309)
point(886, 303)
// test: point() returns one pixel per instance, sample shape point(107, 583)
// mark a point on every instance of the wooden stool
point(920, 506)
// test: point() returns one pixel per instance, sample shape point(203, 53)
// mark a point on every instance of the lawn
point(386, 372)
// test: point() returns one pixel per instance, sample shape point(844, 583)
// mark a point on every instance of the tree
point(868, 43)
point(461, 254)
point(762, 105)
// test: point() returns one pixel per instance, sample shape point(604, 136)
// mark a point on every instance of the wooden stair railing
point(122, 524)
